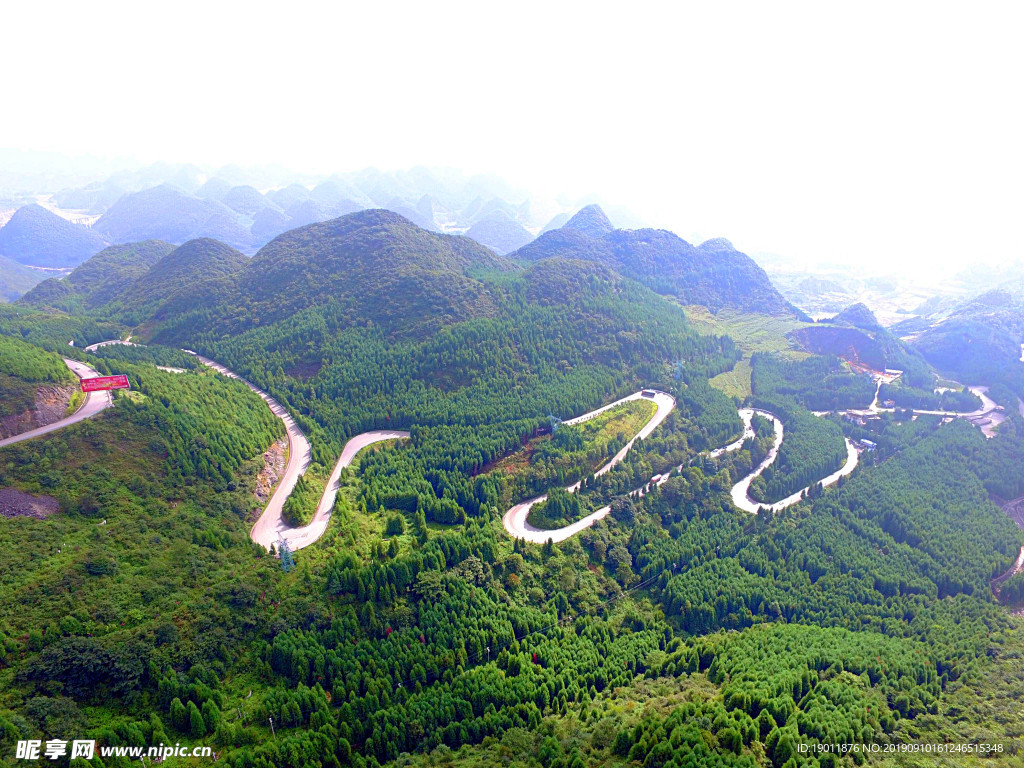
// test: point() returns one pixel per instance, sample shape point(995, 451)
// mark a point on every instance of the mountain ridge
point(714, 275)
point(40, 238)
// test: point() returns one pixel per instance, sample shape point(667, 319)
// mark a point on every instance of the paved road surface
point(94, 403)
point(741, 491)
point(515, 519)
point(298, 538)
point(271, 528)
point(97, 345)
point(268, 529)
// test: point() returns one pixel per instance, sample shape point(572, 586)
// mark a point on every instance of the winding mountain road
point(271, 529)
point(515, 520)
point(94, 403)
point(298, 538)
point(741, 491)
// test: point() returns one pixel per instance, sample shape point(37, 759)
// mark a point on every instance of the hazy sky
point(887, 131)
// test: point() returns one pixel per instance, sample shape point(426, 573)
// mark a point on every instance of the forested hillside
point(713, 274)
point(981, 340)
point(856, 336)
point(104, 277)
point(819, 383)
point(23, 370)
point(813, 446)
point(41, 238)
point(677, 631)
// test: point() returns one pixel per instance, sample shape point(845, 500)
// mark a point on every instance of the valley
point(432, 385)
point(520, 494)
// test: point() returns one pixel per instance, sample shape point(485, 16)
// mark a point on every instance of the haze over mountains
point(977, 337)
point(373, 321)
point(38, 237)
point(246, 208)
point(378, 266)
point(713, 274)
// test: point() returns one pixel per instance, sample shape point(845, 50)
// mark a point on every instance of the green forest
point(677, 631)
point(23, 369)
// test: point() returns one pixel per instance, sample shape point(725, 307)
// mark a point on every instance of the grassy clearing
point(734, 383)
point(751, 332)
point(626, 419)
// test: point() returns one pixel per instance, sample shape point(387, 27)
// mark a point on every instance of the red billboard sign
point(97, 383)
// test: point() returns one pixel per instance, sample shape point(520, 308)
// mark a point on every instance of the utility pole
point(272, 731)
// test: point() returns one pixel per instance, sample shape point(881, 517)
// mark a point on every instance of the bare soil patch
point(52, 403)
point(49, 404)
point(14, 503)
point(273, 467)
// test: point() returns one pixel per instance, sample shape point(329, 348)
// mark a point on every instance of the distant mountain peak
point(590, 220)
point(499, 232)
point(859, 316)
point(717, 244)
point(38, 237)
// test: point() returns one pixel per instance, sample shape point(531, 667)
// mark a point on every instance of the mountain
point(415, 215)
point(714, 274)
point(145, 281)
point(500, 233)
point(16, 279)
point(590, 221)
point(41, 238)
point(103, 278)
point(202, 258)
point(246, 200)
point(312, 211)
point(286, 197)
point(819, 285)
point(557, 222)
point(859, 316)
point(214, 189)
point(269, 223)
point(982, 339)
point(377, 265)
point(94, 198)
point(856, 335)
point(168, 213)
point(812, 293)
point(480, 209)
point(334, 194)
point(200, 273)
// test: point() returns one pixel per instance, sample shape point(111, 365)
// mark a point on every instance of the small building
point(868, 445)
